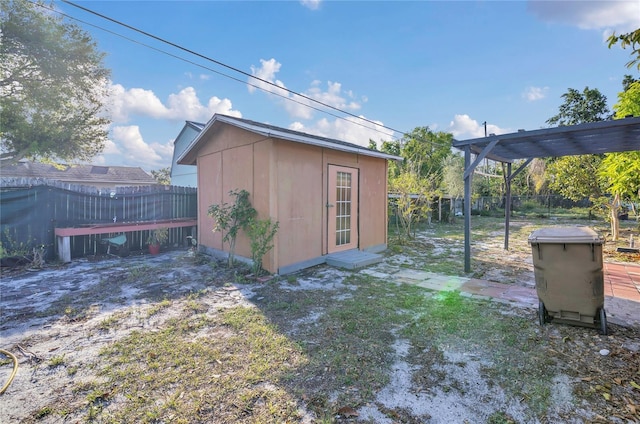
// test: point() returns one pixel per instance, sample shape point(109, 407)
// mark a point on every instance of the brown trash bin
point(569, 276)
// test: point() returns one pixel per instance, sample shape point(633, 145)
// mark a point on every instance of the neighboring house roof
point(188, 157)
point(80, 174)
point(195, 125)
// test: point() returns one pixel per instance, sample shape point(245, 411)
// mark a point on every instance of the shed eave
point(189, 155)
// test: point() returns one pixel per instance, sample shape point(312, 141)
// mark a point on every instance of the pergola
point(621, 135)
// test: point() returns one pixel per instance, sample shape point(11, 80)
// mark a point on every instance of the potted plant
point(156, 238)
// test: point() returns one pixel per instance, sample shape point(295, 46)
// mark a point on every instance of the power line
point(202, 56)
point(403, 133)
point(213, 70)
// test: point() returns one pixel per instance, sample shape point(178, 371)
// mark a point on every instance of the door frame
point(333, 208)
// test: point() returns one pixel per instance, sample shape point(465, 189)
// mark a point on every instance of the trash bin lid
point(565, 235)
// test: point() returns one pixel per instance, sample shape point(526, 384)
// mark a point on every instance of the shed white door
point(342, 209)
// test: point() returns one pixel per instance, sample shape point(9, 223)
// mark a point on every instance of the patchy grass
point(56, 361)
point(314, 354)
point(320, 345)
point(221, 368)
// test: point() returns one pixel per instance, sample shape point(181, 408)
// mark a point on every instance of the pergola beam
point(619, 135)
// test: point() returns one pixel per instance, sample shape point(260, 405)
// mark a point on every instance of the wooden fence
point(31, 209)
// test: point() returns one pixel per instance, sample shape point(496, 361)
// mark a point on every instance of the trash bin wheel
point(601, 321)
point(543, 315)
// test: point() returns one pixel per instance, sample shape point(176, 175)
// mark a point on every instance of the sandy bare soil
point(62, 315)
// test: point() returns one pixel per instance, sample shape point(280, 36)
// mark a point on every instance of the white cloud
point(298, 106)
point(533, 94)
point(127, 147)
point(311, 4)
point(350, 129)
point(619, 15)
point(184, 105)
point(135, 101)
point(463, 127)
point(132, 145)
point(165, 151)
point(266, 72)
point(111, 148)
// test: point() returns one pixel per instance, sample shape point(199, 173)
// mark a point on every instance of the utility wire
point(403, 133)
point(214, 70)
point(162, 40)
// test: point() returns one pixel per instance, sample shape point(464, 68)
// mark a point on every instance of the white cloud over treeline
point(127, 144)
point(301, 106)
point(463, 127)
point(317, 97)
point(184, 105)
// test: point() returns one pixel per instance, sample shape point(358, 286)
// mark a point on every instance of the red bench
point(63, 235)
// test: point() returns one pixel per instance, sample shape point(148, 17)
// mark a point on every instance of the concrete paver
point(621, 289)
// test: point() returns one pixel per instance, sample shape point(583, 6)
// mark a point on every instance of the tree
point(52, 86)
point(424, 150)
point(628, 100)
point(230, 219)
point(536, 176)
point(626, 83)
point(452, 176)
point(417, 180)
point(578, 108)
point(261, 233)
point(630, 39)
point(619, 173)
point(412, 200)
point(162, 176)
point(605, 179)
point(573, 176)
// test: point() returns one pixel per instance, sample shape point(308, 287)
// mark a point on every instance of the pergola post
point(468, 175)
point(617, 135)
point(507, 207)
point(467, 209)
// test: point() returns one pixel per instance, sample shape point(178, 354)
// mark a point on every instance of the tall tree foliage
point(619, 172)
point(52, 86)
point(630, 39)
point(573, 176)
point(416, 181)
point(578, 108)
point(162, 175)
point(423, 151)
point(606, 179)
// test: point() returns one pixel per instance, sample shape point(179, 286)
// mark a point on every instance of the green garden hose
point(15, 369)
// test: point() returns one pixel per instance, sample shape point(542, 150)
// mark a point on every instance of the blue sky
point(448, 65)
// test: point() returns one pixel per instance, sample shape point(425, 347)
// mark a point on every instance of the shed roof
point(81, 174)
point(619, 135)
point(188, 157)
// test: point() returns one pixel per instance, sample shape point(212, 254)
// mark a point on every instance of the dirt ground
point(59, 314)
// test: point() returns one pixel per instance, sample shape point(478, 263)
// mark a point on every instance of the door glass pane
point(343, 208)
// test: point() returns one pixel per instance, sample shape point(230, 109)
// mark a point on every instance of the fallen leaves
point(348, 412)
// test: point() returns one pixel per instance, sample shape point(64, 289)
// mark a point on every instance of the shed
point(328, 195)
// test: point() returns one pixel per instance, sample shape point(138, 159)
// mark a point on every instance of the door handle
point(329, 205)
